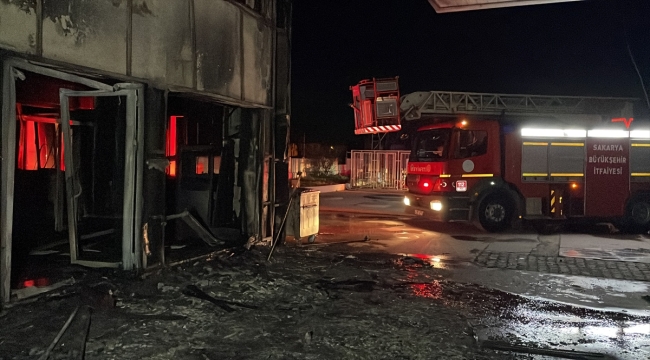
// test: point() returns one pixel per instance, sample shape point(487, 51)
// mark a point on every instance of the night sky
point(575, 48)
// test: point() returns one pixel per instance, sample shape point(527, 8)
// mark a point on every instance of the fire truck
point(494, 159)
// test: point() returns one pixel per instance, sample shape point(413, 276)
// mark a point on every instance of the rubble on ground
point(303, 304)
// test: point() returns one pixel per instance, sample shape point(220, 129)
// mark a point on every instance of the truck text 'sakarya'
point(491, 159)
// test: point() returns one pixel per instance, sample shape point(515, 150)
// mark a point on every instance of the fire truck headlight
point(407, 202)
point(436, 205)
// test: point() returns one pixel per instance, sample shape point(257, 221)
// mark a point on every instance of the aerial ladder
point(416, 105)
point(379, 108)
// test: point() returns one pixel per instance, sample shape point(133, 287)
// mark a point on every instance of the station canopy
point(445, 6)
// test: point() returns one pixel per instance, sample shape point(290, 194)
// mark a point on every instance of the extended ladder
point(416, 104)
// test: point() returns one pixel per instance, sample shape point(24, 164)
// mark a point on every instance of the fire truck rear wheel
point(637, 218)
point(495, 213)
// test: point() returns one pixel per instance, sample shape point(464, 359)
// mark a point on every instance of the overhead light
point(607, 133)
point(536, 132)
point(640, 134)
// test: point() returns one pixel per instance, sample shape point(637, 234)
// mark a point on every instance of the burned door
point(103, 163)
point(196, 175)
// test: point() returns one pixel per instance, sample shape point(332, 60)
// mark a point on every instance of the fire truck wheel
point(637, 218)
point(495, 213)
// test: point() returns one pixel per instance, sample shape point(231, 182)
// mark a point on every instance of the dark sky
point(575, 48)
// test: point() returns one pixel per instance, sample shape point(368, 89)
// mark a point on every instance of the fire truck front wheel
point(495, 213)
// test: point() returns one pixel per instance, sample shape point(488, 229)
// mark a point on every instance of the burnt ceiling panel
point(443, 6)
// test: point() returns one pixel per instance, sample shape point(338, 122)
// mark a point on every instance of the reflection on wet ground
point(528, 324)
point(335, 226)
point(524, 324)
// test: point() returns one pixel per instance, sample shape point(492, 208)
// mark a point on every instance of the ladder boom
point(414, 105)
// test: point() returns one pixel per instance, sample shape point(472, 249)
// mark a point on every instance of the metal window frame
point(12, 68)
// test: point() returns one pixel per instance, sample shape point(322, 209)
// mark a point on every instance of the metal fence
point(378, 169)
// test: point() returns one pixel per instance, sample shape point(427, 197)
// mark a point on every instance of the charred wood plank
point(192, 290)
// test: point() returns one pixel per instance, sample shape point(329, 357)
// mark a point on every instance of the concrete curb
point(329, 209)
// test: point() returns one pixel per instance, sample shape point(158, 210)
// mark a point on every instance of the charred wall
point(220, 47)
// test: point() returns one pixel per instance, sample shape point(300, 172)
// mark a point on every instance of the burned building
point(120, 118)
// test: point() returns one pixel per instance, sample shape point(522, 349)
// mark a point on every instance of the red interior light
point(170, 149)
point(29, 283)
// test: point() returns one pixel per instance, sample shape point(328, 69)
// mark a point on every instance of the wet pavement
point(354, 215)
point(312, 303)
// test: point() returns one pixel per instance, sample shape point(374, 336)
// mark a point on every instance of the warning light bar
point(606, 133)
point(570, 133)
point(640, 134)
point(576, 133)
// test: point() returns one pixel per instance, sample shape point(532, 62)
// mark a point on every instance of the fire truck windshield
point(430, 145)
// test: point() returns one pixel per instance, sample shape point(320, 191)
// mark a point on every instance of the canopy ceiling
point(443, 6)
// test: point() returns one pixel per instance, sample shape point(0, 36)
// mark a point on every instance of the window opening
point(430, 145)
point(470, 143)
point(37, 142)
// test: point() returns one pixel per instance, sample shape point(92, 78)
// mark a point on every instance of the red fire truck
point(491, 159)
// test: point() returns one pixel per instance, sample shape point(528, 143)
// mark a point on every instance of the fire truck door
point(607, 176)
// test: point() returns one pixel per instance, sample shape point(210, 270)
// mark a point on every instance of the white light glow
point(407, 202)
point(637, 329)
point(436, 205)
point(570, 133)
point(640, 134)
point(606, 331)
point(603, 133)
